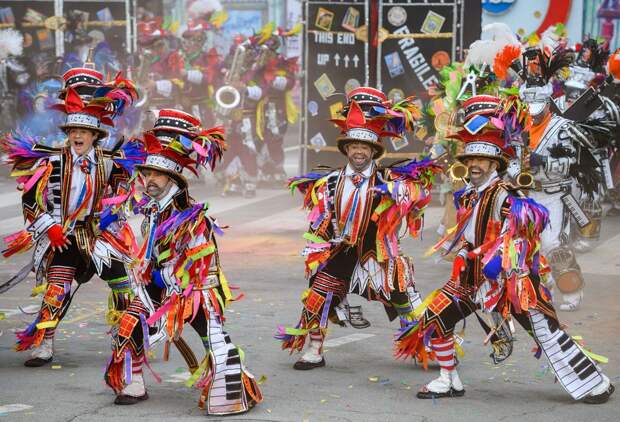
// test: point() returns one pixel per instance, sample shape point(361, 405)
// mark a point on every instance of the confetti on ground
point(335, 396)
point(350, 386)
point(56, 366)
point(179, 370)
point(323, 401)
point(373, 379)
point(385, 381)
point(262, 379)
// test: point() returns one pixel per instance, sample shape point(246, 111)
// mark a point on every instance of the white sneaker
point(134, 393)
point(44, 351)
point(312, 358)
point(447, 385)
point(571, 301)
point(601, 393)
point(136, 388)
point(41, 355)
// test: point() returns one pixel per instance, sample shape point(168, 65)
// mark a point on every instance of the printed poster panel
point(335, 62)
point(409, 66)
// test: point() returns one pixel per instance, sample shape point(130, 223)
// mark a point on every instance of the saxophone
point(525, 179)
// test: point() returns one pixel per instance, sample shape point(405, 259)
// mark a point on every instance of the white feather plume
point(493, 39)
point(11, 43)
point(200, 8)
point(550, 39)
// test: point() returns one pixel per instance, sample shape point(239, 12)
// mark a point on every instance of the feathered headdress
point(494, 38)
point(593, 55)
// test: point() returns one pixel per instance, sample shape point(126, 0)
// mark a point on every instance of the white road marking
point(10, 408)
point(340, 341)
point(179, 378)
point(16, 311)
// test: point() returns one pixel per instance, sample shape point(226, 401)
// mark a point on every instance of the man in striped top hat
point(181, 280)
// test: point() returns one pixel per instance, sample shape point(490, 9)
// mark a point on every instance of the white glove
point(194, 76)
point(279, 83)
point(254, 92)
point(163, 87)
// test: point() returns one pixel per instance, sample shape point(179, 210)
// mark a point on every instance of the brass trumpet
point(457, 171)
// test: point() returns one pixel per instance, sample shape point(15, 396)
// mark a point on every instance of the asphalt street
point(361, 382)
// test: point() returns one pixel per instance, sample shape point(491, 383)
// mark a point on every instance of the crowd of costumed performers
point(248, 90)
point(567, 159)
point(355, 214)
point(528, 126)
point(179, 276)
point(63, 194)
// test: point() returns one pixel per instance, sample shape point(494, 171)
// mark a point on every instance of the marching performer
point(64, 192)
point(498, 268)
point(276, 110)
point(161, 66)
point(180, 274)
point(601, 125)
point(356, 213)
point(202, 70)
point(560, 151)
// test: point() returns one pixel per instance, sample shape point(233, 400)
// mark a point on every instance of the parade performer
point(559, 152)
point(498, 267)
point(160, 69)
point(236, 104)
point(613, 69)
point(355, 216)
point(13, 75)
point(276, 110)
point(181, 280)
point(601, 124)
point(202, 70)
point(64, 192)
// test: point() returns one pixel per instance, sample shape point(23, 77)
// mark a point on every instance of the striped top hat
point(83, 80)
point(367, 95)
point(178, 142)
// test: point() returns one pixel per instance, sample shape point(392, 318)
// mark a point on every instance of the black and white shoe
point(356, 318)
point(37, 362)
point(303, 365)
point(601, 398)
point(125, 400)
point(427, 394)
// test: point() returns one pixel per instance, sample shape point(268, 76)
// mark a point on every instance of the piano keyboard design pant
point(63, 268)
point(227, 386)
point(328, 288)
point(577, 373)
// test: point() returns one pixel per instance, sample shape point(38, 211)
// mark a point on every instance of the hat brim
point(180, 180)
point(501, 160)
point(102, 132)
point(377, 147)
